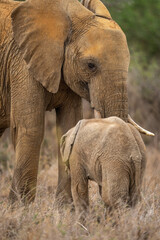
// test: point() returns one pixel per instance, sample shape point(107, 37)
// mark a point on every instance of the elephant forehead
point(99, 42)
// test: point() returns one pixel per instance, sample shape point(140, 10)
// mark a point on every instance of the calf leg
point(79, 187)
point(115, 185)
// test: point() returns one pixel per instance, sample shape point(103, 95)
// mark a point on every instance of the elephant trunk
point(110, 97)
point(116, 101)
point(117, 104)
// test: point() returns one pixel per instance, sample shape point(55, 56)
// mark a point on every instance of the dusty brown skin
point(53, 53)
point(109, 152)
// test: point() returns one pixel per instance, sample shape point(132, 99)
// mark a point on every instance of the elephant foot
point(63, 196)
point(25, 198)
point(23, 194)
point(13, 197)
point(63, 200)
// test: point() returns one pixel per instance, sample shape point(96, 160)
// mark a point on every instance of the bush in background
point(140, 21)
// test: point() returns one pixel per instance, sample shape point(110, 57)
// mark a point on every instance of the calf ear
point(67, 142)
point(40, 29)
point(65, 149)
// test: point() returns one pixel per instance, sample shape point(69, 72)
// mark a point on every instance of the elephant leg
point(28, 142)
point(115, 186)
point(79, 187)
point(67, 117)
point(27, 129)
point(139, 168)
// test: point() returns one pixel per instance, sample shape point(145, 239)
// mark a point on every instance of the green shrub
point(140, 21)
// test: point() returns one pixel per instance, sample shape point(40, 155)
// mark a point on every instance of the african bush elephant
point(108, 151)
point(53, 53)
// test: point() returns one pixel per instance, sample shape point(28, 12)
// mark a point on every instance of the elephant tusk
point(140, 129)
point(97, 114)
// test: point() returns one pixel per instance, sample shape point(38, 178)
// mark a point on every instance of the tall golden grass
point(40, 220)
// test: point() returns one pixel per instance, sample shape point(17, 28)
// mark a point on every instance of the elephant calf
point(108, 151)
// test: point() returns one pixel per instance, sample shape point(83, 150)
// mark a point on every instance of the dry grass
point(41, 221)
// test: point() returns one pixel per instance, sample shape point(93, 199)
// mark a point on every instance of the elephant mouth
point(131, 121)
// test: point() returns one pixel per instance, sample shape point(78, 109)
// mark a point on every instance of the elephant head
point(97, 59)
point(79, 43)
point(84, 46)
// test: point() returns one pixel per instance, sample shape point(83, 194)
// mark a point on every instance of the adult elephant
point(53, 53)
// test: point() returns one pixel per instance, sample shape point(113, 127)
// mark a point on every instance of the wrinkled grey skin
point(109, 152)
point(53, 53)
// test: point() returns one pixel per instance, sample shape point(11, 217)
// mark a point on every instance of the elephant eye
point(91, 66)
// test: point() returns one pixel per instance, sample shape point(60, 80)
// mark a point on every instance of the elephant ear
point(67, 142)
point(40, 29)
point(97, 7)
